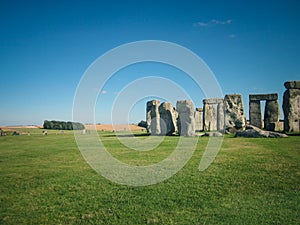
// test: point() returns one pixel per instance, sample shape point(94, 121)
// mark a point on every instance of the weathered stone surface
point(213, 100)
point(213, 114)
point(167, 118)
point(199, 119)
point(255, 113)
point(271, 117)
point(291, 109)
point(210, 116)
point(186, 120)
point(234, 112)
point(221, 117)
point(292, 84)
point(259, 97)
point(153, 117)
point(255, 132)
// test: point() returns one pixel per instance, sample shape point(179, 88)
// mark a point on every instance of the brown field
point(14, 127)
point(118, 127)
point(102, 127)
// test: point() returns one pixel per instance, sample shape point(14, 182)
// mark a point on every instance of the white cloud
point(232, 36)
point(213, 22)
point(104, 92)
point(201, 24)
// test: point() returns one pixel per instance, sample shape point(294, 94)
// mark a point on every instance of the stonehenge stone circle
point(186, 119)
point(271, 117)
point(291, 106)
point(234, 112)
point(153, 117)
point(219, 114)
point(168, 124)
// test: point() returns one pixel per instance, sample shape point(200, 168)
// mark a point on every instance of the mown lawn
point(45, 180)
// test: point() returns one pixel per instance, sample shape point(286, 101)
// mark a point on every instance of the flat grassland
point(45, 180)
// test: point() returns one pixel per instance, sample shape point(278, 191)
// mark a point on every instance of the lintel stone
point(292, 84)
point(213, 100)
point(260, 97)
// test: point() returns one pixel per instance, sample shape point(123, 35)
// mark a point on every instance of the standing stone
point(291, 106)
point(220, 117)
point(153, 117)
point(199, 119)
point(210, 113)
point(255, 113)
point(167, 118)
point(271, 117)
point(271, 110)
point(234, 112)
point(186, 120)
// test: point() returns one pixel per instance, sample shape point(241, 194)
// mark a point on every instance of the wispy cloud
point(232, 36)
point(213, 22)
point(104, 92)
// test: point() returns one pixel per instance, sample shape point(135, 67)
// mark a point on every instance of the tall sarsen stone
point(186, 119)
point(153, 117)
point(167, 118)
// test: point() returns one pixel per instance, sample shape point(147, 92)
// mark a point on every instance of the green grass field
point(45, 180)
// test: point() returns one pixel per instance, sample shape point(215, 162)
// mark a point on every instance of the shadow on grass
point(293, 133)
point(134, 135)
point(126, 135)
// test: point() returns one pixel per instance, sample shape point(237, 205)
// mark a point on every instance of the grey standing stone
point(234, 112)
point(153, 117)
point(198, 119)
point(255, 113)
point(186, 120)
point(271, 117)
point(291, 106)
point(221, 117)
point(210, 113)
point(167, 119)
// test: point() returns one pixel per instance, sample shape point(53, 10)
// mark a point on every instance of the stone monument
point(198, 119)
point(213, 111)
point(153, 117)
point(234, 112)
point(167, 118)
point(271, 117)
point(186, 119)
point(291, 106)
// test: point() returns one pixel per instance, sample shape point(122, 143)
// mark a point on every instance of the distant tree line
point(62, 125)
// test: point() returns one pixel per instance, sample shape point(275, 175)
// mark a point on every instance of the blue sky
point(46, 46)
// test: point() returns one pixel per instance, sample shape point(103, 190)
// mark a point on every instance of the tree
point(46, 124)
point(62, 125)
point(69, 125)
